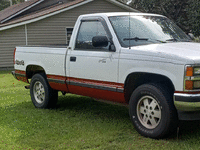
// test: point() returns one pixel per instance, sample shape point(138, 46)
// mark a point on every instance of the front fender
point(171, 71)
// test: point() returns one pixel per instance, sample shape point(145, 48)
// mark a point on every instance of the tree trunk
point(11, 2)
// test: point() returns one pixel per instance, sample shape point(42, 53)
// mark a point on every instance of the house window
point(69, 34)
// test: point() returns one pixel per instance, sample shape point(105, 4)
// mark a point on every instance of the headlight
point(196, 71)
point(196, 84)
point(192, 78)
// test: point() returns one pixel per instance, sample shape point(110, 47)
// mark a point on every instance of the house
point(45, 22)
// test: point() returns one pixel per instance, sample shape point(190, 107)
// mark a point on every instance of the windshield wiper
point(160, 41)
point(186, 40)
point(172, 39)
point(176, 40)
point(135, 39)
point(143, 39)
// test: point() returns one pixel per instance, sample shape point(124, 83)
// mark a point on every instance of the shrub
point(185, 13)
point(193, 12)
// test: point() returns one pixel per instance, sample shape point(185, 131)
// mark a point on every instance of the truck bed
point(50, 57)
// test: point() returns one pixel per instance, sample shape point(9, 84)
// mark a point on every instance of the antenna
point(128, 3)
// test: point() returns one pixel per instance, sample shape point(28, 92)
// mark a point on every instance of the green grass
point(77, 123)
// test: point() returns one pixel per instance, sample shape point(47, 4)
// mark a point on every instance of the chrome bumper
point(187, 102)
point(187, 105)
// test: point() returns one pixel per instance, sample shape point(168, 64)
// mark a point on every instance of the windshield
point(146, 30)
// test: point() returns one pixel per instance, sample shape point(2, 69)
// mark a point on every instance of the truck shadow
point(187, 128)
point(82, 104)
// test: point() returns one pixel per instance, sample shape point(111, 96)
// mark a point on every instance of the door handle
point(73, 59)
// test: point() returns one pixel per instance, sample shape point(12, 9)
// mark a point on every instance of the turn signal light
point(189, 85)
point(189, 71)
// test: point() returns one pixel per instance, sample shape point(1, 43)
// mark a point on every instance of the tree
point(185, 13)
point(16, 1)
point(193, 12)
point(4, 4)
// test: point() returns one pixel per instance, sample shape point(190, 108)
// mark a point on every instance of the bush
point(4, 4)
point(193, 13)
point(185, 13)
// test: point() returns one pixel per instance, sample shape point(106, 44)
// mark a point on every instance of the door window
point(87, 31)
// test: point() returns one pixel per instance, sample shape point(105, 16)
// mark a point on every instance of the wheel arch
point(134, 80)
point(31, 70)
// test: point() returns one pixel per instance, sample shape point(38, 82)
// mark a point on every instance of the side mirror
point(100, 41)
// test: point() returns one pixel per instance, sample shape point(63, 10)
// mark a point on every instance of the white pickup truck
point(141, 59)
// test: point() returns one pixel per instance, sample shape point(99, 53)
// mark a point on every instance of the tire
point(152, 111)
point(42, 95)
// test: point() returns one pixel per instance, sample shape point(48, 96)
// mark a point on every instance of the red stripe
point(96, 93)
point(58, 86)
point(96, 82)
point(20, 72)
point(85, 91)
point(185, 92)
point(57, 77)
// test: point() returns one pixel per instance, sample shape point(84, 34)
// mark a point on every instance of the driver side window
point(87, 31)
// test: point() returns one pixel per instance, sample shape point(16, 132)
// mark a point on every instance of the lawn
point(77, 123)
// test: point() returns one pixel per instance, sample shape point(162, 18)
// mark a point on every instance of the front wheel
point(42, 95)
point(152, 111)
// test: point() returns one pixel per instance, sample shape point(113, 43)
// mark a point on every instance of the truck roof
point(109, 14)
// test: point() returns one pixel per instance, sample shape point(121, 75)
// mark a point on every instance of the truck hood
point(177, 52)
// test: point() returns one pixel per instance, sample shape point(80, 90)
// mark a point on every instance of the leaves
point(185, 13)
point(193, 12)
point(6, 3)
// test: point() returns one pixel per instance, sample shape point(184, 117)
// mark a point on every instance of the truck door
point(93, 71)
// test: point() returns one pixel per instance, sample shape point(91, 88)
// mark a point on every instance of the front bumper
point(187, 105)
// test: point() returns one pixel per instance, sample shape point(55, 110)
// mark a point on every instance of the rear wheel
point(152, 111)
point(42, 95)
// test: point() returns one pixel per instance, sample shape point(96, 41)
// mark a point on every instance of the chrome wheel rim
point(39, 92)
point(148, 112)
